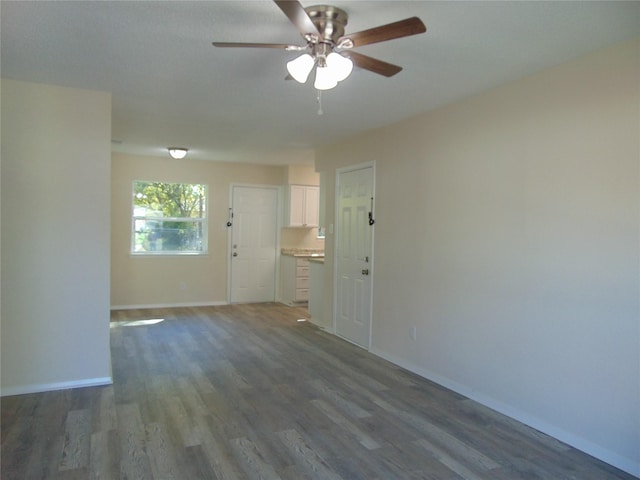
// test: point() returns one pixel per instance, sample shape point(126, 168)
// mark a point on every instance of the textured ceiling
point(171, 87)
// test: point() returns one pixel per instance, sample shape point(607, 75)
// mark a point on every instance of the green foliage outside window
point(169, 218)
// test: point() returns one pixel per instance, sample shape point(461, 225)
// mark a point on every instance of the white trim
point(48, 387)
point(626, 464)
point(168, 305)
point(204, 221)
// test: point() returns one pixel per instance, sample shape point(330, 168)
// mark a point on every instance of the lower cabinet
point(294, 280)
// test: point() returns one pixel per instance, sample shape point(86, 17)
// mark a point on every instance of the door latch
point(371, 220)
point(365, 271)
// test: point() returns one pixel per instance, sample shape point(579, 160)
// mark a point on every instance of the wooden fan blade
point(372, 64)
point(253, 45)
point(298, 16)
point(402, 28)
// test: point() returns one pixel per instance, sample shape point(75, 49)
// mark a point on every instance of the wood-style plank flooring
point(248, 392)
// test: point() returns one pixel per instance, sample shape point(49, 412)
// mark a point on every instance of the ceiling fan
point(327, 47)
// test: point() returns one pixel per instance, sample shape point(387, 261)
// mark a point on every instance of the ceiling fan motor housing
point(329, 20)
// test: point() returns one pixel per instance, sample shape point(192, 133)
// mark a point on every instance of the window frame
point(203, 221)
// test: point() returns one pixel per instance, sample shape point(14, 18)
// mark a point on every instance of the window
point(169, 218)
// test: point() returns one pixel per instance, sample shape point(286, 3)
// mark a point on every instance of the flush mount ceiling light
point(328, 49)
point(177, 152)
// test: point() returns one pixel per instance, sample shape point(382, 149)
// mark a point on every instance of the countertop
point(303, 252)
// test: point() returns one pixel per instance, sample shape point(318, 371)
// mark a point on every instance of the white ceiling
point(171, 87)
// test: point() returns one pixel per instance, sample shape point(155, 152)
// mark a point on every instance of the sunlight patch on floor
point(135, 323)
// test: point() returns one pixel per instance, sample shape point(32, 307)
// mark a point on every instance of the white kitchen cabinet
point(294, 276)
point(303, 203)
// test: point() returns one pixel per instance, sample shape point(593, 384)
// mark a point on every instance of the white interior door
point(253, 244)
point(354, 191)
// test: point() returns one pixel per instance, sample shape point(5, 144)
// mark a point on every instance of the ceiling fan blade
point(402, 28)
point(372, 64)
point(255, 45)
point(298, 16)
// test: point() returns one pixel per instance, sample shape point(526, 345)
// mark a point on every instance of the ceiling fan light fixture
point(325, 79)
point(177, 153)
point(300, 68)
point(339, 65)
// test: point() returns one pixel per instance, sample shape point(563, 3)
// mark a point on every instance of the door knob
point(235, 254)
point(365, 271)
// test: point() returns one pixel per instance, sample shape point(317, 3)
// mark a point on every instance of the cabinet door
point(312, 206)
point(296, 205)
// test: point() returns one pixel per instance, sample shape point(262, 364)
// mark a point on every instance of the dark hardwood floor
point(247, 391)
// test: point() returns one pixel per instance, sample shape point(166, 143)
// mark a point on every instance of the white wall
point(507, 232)
point(55, 237)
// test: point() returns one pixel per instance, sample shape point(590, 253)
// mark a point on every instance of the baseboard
point(623, 463)
point(48, 387)
point(167, 305)
point(320, 325)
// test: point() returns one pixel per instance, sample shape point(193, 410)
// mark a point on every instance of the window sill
point(167, 254)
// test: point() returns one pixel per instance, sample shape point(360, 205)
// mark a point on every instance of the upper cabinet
point(302, 207)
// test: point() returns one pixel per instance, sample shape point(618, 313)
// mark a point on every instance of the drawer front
point(302, 271)
point(302, 282)
point(302, 262)
point(302, 294)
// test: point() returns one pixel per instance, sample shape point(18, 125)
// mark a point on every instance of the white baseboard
point(320, 325)
point(623, 463)
point(168, 305)
point(48, 387)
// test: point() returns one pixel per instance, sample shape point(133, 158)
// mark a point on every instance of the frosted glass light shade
point(340, 66)
point(324, 79)
point(300, 68)
point(178, 153)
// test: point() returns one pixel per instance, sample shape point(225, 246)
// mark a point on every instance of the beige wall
point(55, 237)
point(302, 175)
point(507, 232)
point(175, 280)
point(293, 237)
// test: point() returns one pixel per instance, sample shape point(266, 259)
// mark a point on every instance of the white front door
point(354, 191)
point(253, 244)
